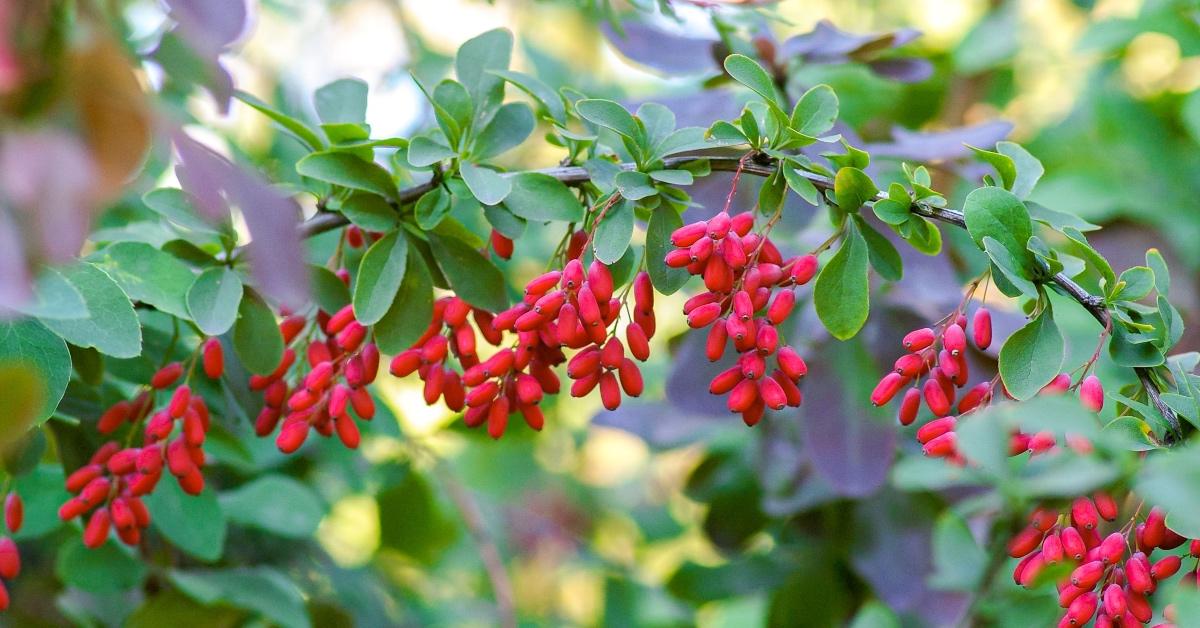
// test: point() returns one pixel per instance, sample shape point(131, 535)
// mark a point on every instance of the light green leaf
point(1009, 274)
point(958, 561)
point(1171, 481)
point(748, 72)
point(259, 589)
point(346, 170)
point(610, 115)
point(1028, 169)
point(1138, 282)
point(541, 92)
point(541, 197)
point(53, 297)
point(369, 211)
point(1002, 163)
point(1162, 277)
point(175, 205)
point(842, 291)
point(192, 523)
point(852, 188)
point(296, 127)
point(329, 293)
point(256, 336)
point(432, 207)
point(487, 185)
point(379, 276)
point(1032, 356)
point(816, 111)
point(213, 300)
point(512, 123)
point(275, 503)
point(475, 62)
point(885, 259)
point(424, 151)
point(615, 231)
point(112, 327)
point(27, 344)
point(147, 274)
point(673, 177)
point(342, 101)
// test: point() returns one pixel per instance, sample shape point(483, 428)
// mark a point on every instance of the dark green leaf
point(296, 127)
point(996, 213)
point(259, 589)
point(275, 503)
point(635, 185)
point(885, 259)
point(472, 277)
point(842, 292)
point(411, 521)
point(147, 274)
point(348, 171)
point(512, 123)
point(213, 300)
point(369, 211)
point(105, 569)
point(615, 231)
point(411, 310)
point(1171, 481)
point(1032, 356)
point(541, 197)
point(379, 276)
point(192, 523)
point(1028, 169)
point(610, 115)
point(1002, 163)
point(112, 327)
point(256, 336)
point(958, 560)
point(1009, 274)
point(329, 292)
point(432, 207)
point(663, 222)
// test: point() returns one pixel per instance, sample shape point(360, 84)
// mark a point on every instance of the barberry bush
point(562, 353)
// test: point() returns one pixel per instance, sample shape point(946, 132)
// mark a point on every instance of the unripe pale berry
point(1091, 393)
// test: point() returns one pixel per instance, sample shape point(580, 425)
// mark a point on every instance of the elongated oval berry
point(789, 387)
point(1156, 528)
point(910, 406)
point(803, 270)
point(1091, 393)
point(96, 532)
point(639, 345)
point(942, 446)
point(347, 431)
point(703, 315)
point(533, 417)
point(1114, 600)
point(1165, 567)
point(214, 358)
point(114, 416)
point(292, 436)
point(772, 393)
point(687, 235)
point(610, 392)
point(10, 559)
point(1112, 548)
point(793, 365)
point(726, 380)
point(503, 247)
point(781, 306)
point(884, 390)
point(1088, 574)
point(1052, 549)
point(1028, 568)
point(340, 320)
point(14, 512)
point(166, 375)
point(981, 328)
point(601, 281)
point(936, 428)
point(678, 258)
point(743, 395)
point(718, 226)
point(1137, 574)
point(1081, 610)
point(1083, 513)
point(935, 397)
point(613, 353)
point(1025, 542)
point(1043, 519)
point(1073, 544)
point(954, 339)
point(631, 378)
point(918, 339)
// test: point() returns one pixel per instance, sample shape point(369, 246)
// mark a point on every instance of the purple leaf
point(827, 43)
point(48, 179)
point(661, 50)
point(209, 27)
point(659, 424)
point(214, 183)
point(14, 274)
point(935, 145)
point(892, 552)
point(848, 448)
point(906, 70)
point(691, 372)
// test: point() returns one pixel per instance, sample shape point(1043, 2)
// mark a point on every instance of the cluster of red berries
point(567, 308)
point(935, 368)
point(742, 271)
point(1104, 583)
point(111, 485)
point(332, 380)
point(10, 557)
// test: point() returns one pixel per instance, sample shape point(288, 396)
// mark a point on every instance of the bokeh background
point(669, 511)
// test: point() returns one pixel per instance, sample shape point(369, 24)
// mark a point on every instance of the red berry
point(954, 339)
point(910, 406)
point(292, 436)
point(112, 418)
point(166, 375)
point(1091, 393)
point(501, 245)
point(96, 532)
point(885, 389)
point(918, 339)
point(214, 358)
point(981, 325)
point(1025, 542)
point(14, 512)
point(10, 559)
point(803, 270)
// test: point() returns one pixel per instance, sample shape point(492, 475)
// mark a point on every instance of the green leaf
point(885, 259)
point(615, 231)
point(875, 615)
point(1009, 274)
point(472, 277)
point(53, 297)
point(487, 185)
point(259, 589)
point(329, 292)
point(816, 111)
point(105, 569)
point(175, 205)
point(296, 127)
point(213, 300)
point(1138, 282)
point(379, 276)
point(1124, 351)
point(1128, 432)
point(256, 336)
point(996, 213)
point(635, 185)
point(672, 177)
point(193, 523)
point(1002, 163)
point(748, 72)
point(504, 220)
point(958, 561)
point(891, 212)
point(663, 222)
point(541, 197)
point(28, 345)
point(476, 61)
point(423, 151)
point(1162, 278)
point(411, 310)
point(348, 171)
point(21, 403)
point(801, 185)
point(1094, 259)
point(277, 504)
point(610, 115)
point(43, 492)
point(852, 188)
point(1032, 356)
point(111, 327)
point(512, 123)
point(342, 101)
point(411, 521)
point(147, 274)
point(369, 211)
point(1171, 481)
point(541, 92)
point(842, 292)
point(1058, 220)
point(1028, 169)
point(432, 207)
point(923, 235)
